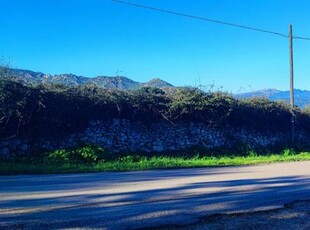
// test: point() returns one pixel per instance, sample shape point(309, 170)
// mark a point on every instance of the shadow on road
point(52, 182)
point(181, 204)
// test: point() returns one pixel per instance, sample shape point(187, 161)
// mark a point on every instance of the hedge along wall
point(34, 118)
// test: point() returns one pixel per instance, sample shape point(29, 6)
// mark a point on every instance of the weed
point(131, 162)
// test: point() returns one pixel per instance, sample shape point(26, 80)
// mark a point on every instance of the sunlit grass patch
point(135, 163)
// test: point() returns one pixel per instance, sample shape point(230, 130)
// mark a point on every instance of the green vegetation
point(49, 110)
point(82, 155)
point(89, 159)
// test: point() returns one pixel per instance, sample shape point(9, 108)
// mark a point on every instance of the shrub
point(261, 114)
point(195, 105)
point(82, 155)
point(56, 111)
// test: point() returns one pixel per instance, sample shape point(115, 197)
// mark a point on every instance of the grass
point(131, 163)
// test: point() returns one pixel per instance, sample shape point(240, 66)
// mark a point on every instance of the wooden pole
point(292, 83)
point(291, 68)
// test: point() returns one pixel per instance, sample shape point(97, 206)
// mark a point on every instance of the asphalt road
point(147, 199)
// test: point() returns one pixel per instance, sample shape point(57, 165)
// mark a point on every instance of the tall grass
point(134, 163)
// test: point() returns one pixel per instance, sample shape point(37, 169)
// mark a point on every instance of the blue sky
point(99, 37)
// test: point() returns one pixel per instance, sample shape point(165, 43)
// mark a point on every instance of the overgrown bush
point(261, 114)
point(192, 104)
point(55, 110)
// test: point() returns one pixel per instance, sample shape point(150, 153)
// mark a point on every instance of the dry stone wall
point(127, 136)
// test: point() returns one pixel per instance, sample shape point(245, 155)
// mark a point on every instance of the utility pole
point(292, 83)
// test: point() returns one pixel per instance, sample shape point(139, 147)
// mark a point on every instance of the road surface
point(147, 199)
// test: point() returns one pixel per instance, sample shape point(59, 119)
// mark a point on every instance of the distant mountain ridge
point(117, 82)
point(302, 97)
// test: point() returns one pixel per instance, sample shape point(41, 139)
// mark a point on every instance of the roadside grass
point(136, 163)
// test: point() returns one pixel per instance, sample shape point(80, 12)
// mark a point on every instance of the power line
point(200, 18)
point(207, 19)
point(301, 38)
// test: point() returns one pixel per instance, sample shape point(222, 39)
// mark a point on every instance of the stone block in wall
point(5, 153)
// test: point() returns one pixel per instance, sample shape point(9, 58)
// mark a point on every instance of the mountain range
point(117, 82)
point(302, 97)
